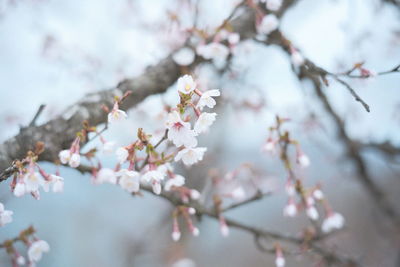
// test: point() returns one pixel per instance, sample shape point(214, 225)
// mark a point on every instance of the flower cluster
point(154, 170)
point(309, 198)
point(31, 179)
point(180, 131)
point(71, 156)
point(5, 215)
point(185, 212)
point(35, 248)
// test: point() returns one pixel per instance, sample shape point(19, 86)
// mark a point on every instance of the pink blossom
point(179, 132)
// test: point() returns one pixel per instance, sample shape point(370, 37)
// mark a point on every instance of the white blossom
point(224, 230)
point(192, 211)
point(36, 250)
point(177, 181)
point(108, 147)
point(186, 84)
point(154, 177)
point(5, 215)
point(191, 155)
point(185, 262)
point(64, 156)
point(195, 231)
point(290, 210)
point(332, 222)
point(280, 261)
point(318, 194)
point(165, 168)
point(303, 160)
point(20, 260)
point(156, 186)
point(116, 115)
point(233, 38)
point(268, 24)
point(33, 181)
point(176, 235)
point(19, 189)
point(290, 189)
point(273, 5)
point(184, 56)
point(238, 193)
point(214, 51)
point(106, 175)
point(207, 99)
point(179, 132)
point(204, 122)
point(122, 154)
point(75, 160)
point(312, 213)
point(129, 180)
point(58, 183)
point(269, 146)
point(194, 194)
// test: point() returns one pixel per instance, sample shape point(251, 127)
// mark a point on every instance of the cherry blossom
point(5, 215)
point(224, 229)
point(57, 183)
point(273, 5)
point(206, 99)
point(312, 213)
point(184, 56)
point(116, 115)
point(64, 156)
point(176, 233)
point(194, 194)
point(191, 155)
point(268, 24)
point(36, 250)
point(106, 175)
point(332, 222)
point(73, 159)
point(33, 181)
point(186, 84)
point(214, 51)
point(179, 132)
point(154, 177)
point(279, 259)
point(20, 260)
point(108, 147)
point(185, 262)
point(318, 194)
point(177, 181)
point(303, 160)
point(269, 146)
point(290, 209)
point(129, 180)
point(122, 154)
point(204, 122)
point(289, 188)
point(233, 38)
point(19, 189)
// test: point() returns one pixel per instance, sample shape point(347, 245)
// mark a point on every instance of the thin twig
point(38, 112)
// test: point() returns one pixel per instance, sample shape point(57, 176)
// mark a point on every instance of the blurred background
point(54, 52)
